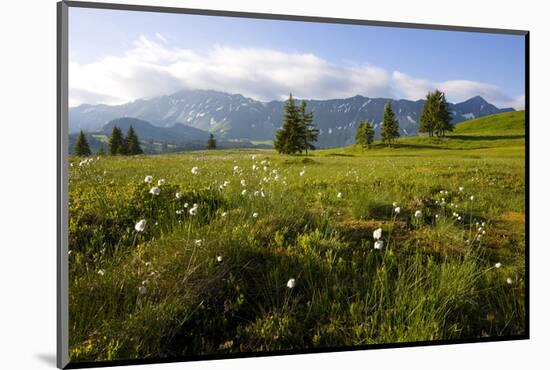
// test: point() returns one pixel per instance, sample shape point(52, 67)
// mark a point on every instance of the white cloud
point(153, 67)
point(455, 90)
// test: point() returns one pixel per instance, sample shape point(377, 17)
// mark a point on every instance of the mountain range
point(189, 115)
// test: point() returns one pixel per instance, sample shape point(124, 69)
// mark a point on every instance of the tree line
point(118, 143)
point(435, 119)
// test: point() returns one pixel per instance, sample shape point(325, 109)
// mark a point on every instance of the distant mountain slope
point(146, 131)
point(233, 116)
point(510, 123)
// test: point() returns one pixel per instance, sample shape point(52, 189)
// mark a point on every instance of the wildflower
point(185, 205)
point(436, 216)
point(262, 194)
point(483, 224)
point(471, 197)
point(161, 182)
point(178, 195)
point(418, 214)
point(243, 182)
point(142, 290)
point(498, 265)
point(243, 192)
point(225, 183)
point(219, 259)
point(224, 214)
point(339, 195)
point(148, 179)
point(198, 242)
point(291, 283)
point(154, 191)
point(509, 281)
point(193, 211)
point(101, 272)
point(397, 210)
point(140, 226)
point(377, 234)
point(195, 170)
point(379, 244)
point(460, 188)
point(459, 218)
point(256, 193)
point(394, 204)
point(442, 192)
point(254, 167)
point(253, 156)
point(302, 173)
point(255, 215)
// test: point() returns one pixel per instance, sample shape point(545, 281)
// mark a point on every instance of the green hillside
point(510, 123)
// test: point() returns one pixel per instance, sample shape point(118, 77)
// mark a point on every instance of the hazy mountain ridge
point(235, 117)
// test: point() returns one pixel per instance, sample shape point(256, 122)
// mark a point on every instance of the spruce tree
point(443, 116)
point(427, 117)
point(364, 136)
point(211, 142)
point(289, 139)
point(390, 125)
point(82, 149)
point(116, 142)
point(307, 129)
point(369, 132)
point(360, 135)
point(132, 142)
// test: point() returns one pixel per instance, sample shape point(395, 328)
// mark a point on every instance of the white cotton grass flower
point(471, 197)
point(254, 167)
point(397, 210)
point(236, 168)
point(161, 182)
point(379, 244)
point(243, 182)
point(179, 211)
point(154, 190)
point(339, 195)
point(142, 289)
point(498, 265)
point(291, 283)
point(101, 272)
point(195, 170)
point(461, 189)
point(377, 234)
point(148, 179)
point(178, 195)
point(255, 214)
point(243, 192)
point(185, 205)
point(224, 214)
point(509, 281)
point(198, 242)
point(140, 225)
point(219, 259)
point(394, 204)
point(302, 173)
point(418, 214)
point(193, 211)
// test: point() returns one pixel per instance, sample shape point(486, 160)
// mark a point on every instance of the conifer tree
point(211, 142)
point(443, 115)
point(390, 125)
point(132, 146)
point(116, 142)
point(360, 137)
point(364, 135)
point(427, 117)
point(289, 139)
point(82, 149)
point(307, 129)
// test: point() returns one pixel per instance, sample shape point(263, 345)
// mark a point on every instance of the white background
point(28, 182)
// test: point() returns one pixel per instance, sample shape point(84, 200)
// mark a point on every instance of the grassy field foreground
point(252, 251)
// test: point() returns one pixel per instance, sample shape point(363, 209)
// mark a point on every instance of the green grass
point(434, 279)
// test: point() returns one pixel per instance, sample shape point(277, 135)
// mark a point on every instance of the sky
point(117, 56)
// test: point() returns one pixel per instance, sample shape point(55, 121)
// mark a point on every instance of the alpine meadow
point(225, 201)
